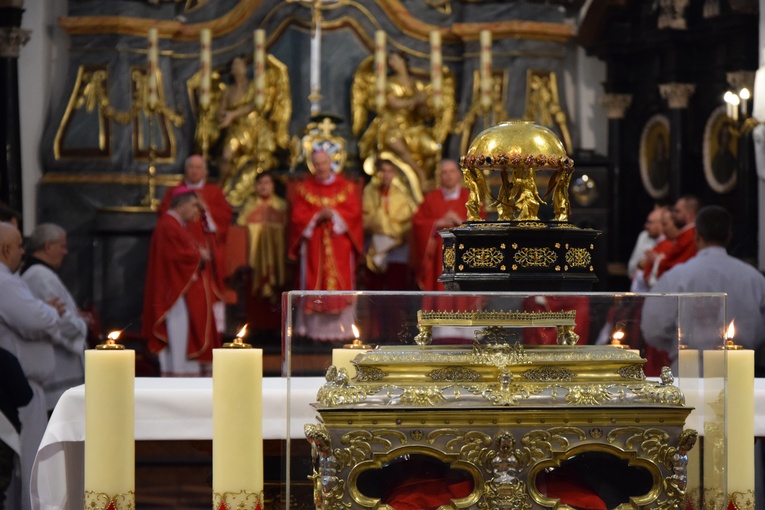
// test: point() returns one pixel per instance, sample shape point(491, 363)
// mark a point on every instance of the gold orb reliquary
point(497, 425)
point(531, 245)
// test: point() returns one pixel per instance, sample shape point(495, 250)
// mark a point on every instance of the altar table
point(165, 409)
point(179, 409)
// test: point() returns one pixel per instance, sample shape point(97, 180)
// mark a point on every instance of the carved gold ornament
point(449, 257)
point(578, 257)
point(535, 257)
point(483, 257)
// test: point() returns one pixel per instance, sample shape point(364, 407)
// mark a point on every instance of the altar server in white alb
point(29, 328)
point(711, 270)
point(46, 249)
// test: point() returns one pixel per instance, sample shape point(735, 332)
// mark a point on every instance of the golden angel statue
point(409, 130)
point(247, 137)
point(543, 104)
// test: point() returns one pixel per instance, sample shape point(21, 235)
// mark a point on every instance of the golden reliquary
point(497, 425)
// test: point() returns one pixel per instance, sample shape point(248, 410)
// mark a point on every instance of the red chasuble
point(221, 214)
point(175, 269)
point(682, 249)
point(425, 250)
point(329, 258)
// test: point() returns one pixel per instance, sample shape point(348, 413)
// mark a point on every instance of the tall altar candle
point(151, 72)
point(237, 425)
point(381, 69)
point(260, 68)
point(110, 425)
point(714, 424)
point(205, 62)
point(485, 39)
point(436, 68)
point(739, 421)
point(688, 363)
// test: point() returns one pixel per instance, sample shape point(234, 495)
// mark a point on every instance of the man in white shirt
point(652, 232)
point(47, 249)
point(28, 329)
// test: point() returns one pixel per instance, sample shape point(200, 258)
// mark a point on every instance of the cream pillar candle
point(739, 422)
point(485, 61)
point(110, 425)
point(342, 358)
point(153, 63)
point(436, 68)
point(205, 62)
point(381, 70)
point(688, 363)
point(260, 68)
point(237, 426)
point(714, 423)
point(688, 375)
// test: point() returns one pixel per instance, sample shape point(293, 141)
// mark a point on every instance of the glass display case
point(503, 400)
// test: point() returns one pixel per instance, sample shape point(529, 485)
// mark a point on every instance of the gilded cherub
point(409, 127)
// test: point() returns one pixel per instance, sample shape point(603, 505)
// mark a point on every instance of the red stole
point(683, 249)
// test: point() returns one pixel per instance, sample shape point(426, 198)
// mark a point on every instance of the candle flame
point(618, 335)
point(355, 331)
point(114, 335)
point(242, 332)
point(730, 332)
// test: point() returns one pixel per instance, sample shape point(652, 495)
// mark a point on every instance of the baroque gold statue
point(248, 137)
point(409, 128)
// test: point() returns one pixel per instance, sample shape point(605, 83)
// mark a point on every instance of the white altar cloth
point(165, 409)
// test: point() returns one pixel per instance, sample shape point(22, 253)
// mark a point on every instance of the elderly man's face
point(56, 252)
point(322, 165)
point(196, 169)
point(451, 177)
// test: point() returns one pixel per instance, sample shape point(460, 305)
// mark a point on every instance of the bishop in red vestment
point(177, 319)
point(326, 239)
point(212, 225)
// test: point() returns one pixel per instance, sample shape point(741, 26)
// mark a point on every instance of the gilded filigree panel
point(535, 257)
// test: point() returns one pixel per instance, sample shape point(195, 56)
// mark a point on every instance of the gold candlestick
point(150, 200)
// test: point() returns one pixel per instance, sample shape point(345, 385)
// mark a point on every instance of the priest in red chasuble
point(442, 208)
point(178, 320)
point(326, 239)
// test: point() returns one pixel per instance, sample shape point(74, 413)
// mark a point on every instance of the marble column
point(616, 106)
point(12, 37)
point(677, 96)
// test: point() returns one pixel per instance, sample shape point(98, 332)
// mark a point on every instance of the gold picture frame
point(654, 156)
point(720, 149)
